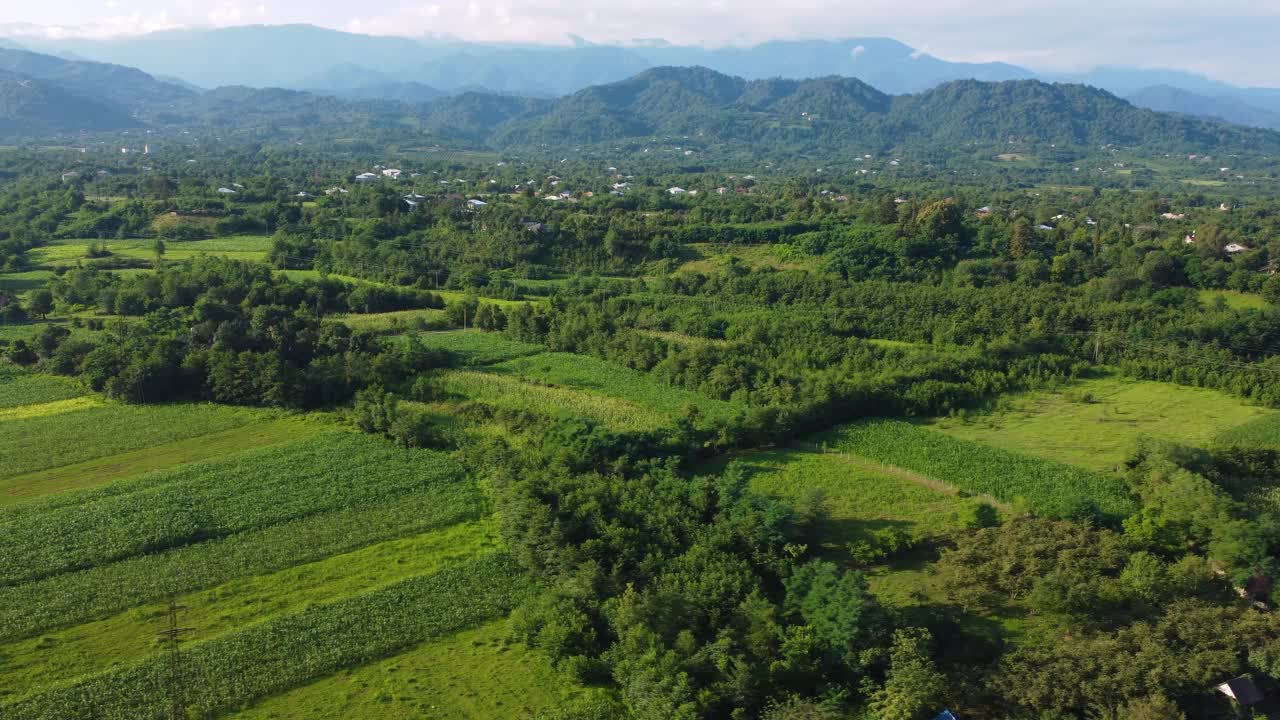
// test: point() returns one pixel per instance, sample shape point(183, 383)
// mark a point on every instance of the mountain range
point(42, 94)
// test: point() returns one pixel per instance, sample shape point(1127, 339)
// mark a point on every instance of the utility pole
point(177, 680)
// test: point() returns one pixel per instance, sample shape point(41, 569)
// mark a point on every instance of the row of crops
point(432, 494)
point(286, 651)
point(17, 389)
point(41, 442)
point(201, 501)
point(1046, 486)
point(515, 394)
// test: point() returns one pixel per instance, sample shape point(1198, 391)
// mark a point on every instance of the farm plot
point(394, 322)
point(473, 675)
point(287, 651)
point(243, 492)
point(99, 592)
point(587, 373)
point(130, 636)
point(19, 388)
point(1263, 432)
point(1046, 486)
point(1097, 423)
point(48, 441)
point(68, 252)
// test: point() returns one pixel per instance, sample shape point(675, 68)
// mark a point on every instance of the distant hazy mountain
point(402, 92)
point(303, 56)
point(116, 85)
point(1164, 98)
point(30, 105)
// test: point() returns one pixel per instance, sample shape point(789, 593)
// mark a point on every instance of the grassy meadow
point(1097, 423)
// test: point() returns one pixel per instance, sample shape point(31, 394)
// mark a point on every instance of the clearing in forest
point(1097, 423)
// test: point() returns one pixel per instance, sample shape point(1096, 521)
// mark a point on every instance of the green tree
point(40, 302)
point(913, 685)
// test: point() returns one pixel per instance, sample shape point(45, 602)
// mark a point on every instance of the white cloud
point(858, 51)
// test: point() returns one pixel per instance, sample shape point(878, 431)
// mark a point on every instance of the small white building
point(1234, 248)
point(366, 177)
point(676, 191)
point(392, 173)
point(226, 191)
point(475, 203)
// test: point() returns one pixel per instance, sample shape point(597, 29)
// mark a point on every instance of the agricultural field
point(1010, 477)
point(476, 674)
point(1096, 423)
point(597, 376)
point(395, 322)
point(67, 253)
point(512, 393)
point(20, 388)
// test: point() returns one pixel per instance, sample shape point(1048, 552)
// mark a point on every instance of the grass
point(396, 321)
point(18, 389)
point(474, 347)
point(104, 470)
point(473, 675)
point(131, 636)
point(1096, 423)
point(1234, 299)
point(41, 443)
point(587, 373)
point(1046, 486)
point(513, 393)
point(55, 407)
point(21, 282)
point(707, 258)
point(1263, 432)
point(69, 252)
point(856, 494)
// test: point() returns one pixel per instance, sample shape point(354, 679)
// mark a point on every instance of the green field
point(1096, 423)
point(594, 375)
point(129, 636)
point(1046, 486)
point(512, 393)
point(17, 389)
point(474, 675)
point(857, 495)
point(474, 347)
point(397, 321)
point(69, 252)
point(48, 441)
point(1234, 300)
point(707, 258)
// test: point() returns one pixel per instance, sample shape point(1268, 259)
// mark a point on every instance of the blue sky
point(1235, 40)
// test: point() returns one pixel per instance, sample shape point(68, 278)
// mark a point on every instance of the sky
point(1233, 40)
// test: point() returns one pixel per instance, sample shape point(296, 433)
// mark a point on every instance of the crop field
point(473, 675)
point(594, 375)
point(54, 440)
point(291, 649)
point(512, 393)
point(1096, 423)
point(21, 282)
point(1011, 477)
point(103, 470)
point(18, 389)
point(128, 636)
point(65, 253)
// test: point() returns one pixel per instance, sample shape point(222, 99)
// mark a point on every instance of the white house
point(1173, 216)
point(304, 194)
point(676, 191)
point(476, 203)
point(366, 177)
point(335, 191)
point(1234, 248)
point(226, 191)
point(392, 173)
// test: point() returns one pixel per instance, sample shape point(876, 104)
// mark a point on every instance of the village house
point(1234, 248)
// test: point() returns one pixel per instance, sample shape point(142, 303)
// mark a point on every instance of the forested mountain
point(697, 101)
point(35, 106)
point(117, 85)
